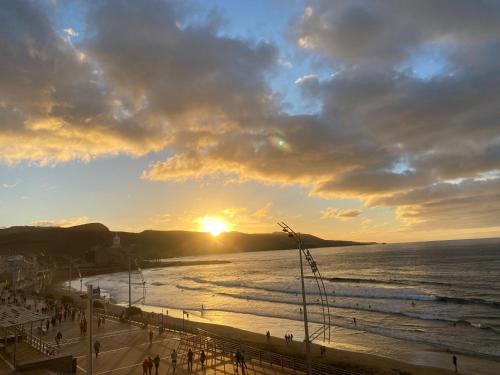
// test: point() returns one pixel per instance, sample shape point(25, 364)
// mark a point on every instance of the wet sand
point(350, 349)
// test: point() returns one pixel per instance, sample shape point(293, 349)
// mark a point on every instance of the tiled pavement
point(124, 347)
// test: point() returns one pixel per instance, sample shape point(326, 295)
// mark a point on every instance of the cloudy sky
point(357, 119)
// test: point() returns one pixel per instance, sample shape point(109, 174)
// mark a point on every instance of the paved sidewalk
point(124, 347)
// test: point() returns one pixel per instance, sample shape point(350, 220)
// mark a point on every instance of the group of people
point(288, 338)
point(239, 361)
point(190, 359)
point(147, 365)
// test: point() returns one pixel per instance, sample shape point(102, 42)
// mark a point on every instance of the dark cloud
point(364, 32)
point(181, 71)
point(346, 214)
point(135, 80)
point(54, 104)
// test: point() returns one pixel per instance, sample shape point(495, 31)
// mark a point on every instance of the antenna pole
point(304, 309)
point(129, 284)
point(297, 238)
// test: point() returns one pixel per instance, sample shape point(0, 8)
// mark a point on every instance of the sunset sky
point(373, 120)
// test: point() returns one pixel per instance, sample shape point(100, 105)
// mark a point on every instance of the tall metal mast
point(325, 328)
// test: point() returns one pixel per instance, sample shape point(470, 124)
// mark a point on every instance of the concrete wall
point(61, 365)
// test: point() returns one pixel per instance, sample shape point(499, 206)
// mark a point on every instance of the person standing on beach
point(455, 362)
point(190, 360)
point(354, 321)
point(268, 336)
point(145, 366)
point(150, 337)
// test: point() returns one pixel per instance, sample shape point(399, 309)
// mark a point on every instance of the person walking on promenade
point(173, 356)
point(97, 348)
point(145, 366)
point(203, 358)
point(150, 365)
point(150, 337)
point(236, 361)
point(243, 362)
point(156, 362)
point(455, 362)
point(58, 338)
point(190, 360)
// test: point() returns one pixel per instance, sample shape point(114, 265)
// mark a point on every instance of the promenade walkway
point(125, 345)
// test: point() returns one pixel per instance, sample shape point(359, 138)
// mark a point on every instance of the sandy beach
point(361, 362)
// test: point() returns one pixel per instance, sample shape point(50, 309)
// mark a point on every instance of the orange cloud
point(340, 214)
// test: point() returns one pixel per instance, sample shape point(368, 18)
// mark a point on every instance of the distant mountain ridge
point(76, 241)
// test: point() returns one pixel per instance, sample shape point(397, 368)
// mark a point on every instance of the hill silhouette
point(150, 244)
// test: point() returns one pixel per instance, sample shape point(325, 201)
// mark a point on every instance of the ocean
point(430, 298)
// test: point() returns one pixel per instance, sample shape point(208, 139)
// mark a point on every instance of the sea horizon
point(411, 310)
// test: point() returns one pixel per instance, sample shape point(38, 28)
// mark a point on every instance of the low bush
point(67, 299)
point(132, 311)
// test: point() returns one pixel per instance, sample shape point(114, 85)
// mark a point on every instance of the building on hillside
point(114, 255)
point(21, 272)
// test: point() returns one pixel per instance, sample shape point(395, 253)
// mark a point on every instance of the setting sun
point(213, 225)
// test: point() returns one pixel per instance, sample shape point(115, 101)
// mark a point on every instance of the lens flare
point(280, 143)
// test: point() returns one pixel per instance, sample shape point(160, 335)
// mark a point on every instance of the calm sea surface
point(446, 293)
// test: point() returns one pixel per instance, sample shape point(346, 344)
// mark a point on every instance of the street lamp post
point(297, 238)
point(129, 283)
point(90, 308)
point(70, 276)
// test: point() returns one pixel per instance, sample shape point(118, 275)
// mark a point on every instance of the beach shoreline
point(348, 359)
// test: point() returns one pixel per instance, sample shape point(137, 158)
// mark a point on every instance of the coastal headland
point(79, 241)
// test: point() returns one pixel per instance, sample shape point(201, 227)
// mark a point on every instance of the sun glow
point(213, 225)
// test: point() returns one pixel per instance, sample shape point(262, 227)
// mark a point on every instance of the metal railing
point(42, 346)
point(225, 348)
